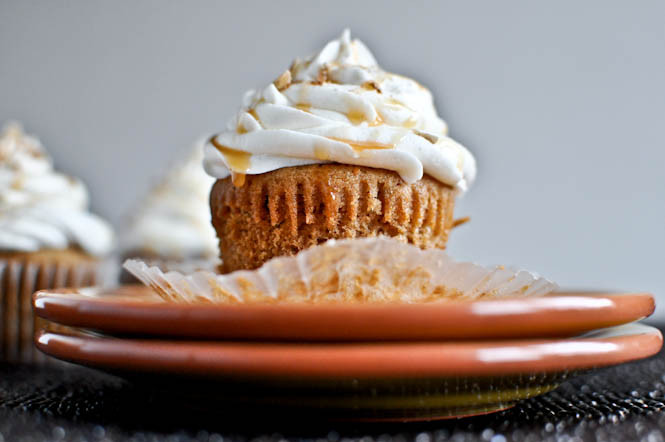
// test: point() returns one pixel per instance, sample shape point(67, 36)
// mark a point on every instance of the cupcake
point(172, 226)
point(334, 148)
point(48, 239)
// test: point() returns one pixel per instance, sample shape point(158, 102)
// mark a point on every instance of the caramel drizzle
point(460, 221)
point(253, 113)
point(321, 153)
point(357, 117)
point(237, 160)
point(361, 146)
point(238, 179)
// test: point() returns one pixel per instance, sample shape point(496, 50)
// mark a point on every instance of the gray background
point(562, 103)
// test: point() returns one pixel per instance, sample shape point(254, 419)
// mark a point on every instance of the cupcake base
point(290, 209)
point(22, 274)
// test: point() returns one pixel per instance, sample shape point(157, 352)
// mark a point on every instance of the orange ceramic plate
point(356, 381)
point(358, 360)
point(137, 310)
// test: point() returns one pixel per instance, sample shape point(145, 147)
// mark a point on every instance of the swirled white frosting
point(41, 208)
point(173, 222)
point(340, 106)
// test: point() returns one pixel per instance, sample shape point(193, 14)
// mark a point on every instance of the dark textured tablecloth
point(622, 403)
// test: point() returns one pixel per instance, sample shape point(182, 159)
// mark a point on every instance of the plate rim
point(382, 360)
point(324, 322)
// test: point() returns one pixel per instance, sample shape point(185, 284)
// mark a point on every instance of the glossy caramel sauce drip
point(238, 179)
point(357, 117)
point(304, 107)
point(377, 122)
point(321, 153)
point(237, 160)
point(460, 221)
point(410, 123)
point(361, 146)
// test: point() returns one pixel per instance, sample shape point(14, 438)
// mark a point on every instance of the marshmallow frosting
point(174, 219)
point(340, 106)
point(41, 208)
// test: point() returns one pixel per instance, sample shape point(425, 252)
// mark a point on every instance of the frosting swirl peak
point(340, 106)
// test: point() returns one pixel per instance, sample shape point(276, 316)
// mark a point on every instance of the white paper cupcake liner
point(353, 270)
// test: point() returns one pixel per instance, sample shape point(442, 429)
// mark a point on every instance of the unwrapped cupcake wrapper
point(19, 279)
point(182, 266)
point(353, 270)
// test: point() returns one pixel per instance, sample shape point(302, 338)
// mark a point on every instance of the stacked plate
point(357, 362)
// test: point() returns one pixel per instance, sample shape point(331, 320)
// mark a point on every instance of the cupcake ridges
point(22, 274)
point(290, 209)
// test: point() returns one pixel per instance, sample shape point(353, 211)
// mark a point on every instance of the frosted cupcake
point(334, 148)
point(172, 226)
point(48, 238)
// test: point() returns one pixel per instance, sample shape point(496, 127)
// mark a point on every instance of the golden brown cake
point(290, 209)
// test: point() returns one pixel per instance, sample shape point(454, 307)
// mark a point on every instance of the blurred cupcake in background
point(48, 238)
point(172, 227)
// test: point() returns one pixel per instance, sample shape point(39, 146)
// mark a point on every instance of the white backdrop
point(562, 103)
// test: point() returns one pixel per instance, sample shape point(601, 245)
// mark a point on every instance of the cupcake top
point(340, 106)
point(173, 221)
point(41, 208)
